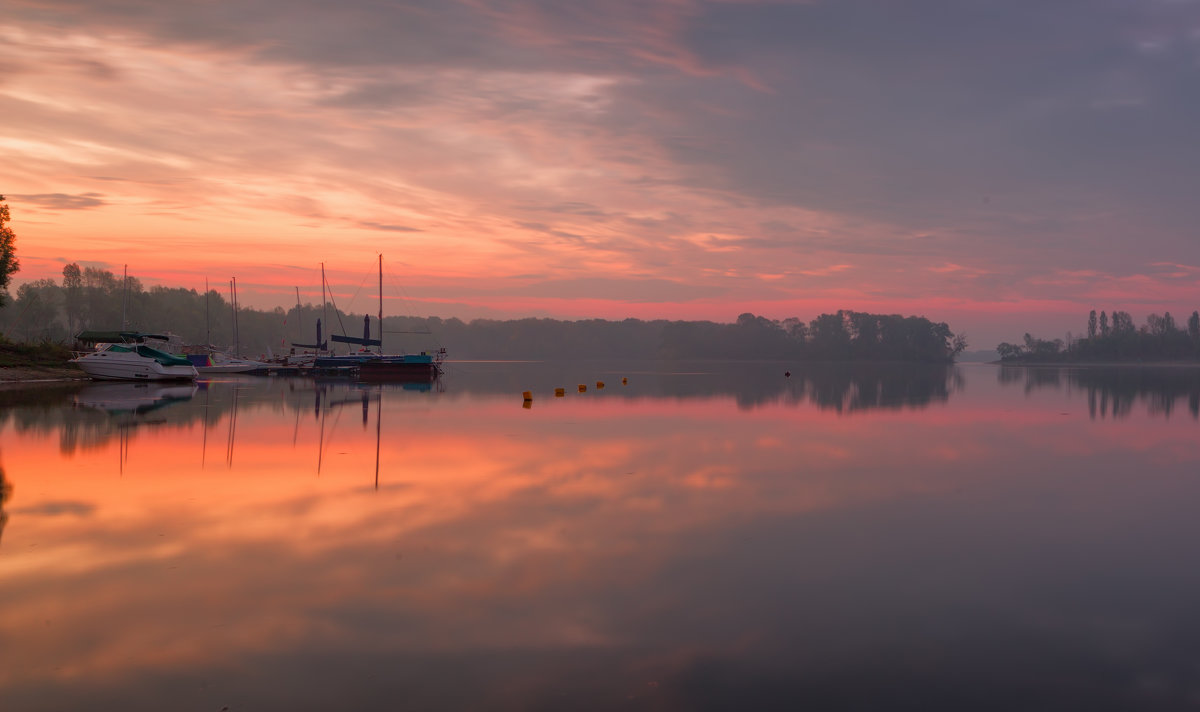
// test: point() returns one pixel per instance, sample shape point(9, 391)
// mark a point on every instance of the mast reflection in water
point(708, 536)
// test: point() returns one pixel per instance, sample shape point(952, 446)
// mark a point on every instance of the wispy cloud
point(387, 228)
point(61, 201)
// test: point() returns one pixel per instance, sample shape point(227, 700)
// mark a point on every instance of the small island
point(1114, 339)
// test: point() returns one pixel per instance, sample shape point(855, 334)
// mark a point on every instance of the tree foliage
point(1159, 339)
point(8, 252)
point(91, 298)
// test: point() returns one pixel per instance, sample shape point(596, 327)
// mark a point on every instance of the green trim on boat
point(165, 359)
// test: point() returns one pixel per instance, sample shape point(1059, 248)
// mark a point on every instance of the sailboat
point(378, 366)
point(212, 361)
point(304, 361)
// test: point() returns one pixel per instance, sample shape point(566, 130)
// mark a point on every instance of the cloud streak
point(60, 201)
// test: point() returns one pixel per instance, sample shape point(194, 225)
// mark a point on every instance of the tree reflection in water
point(1112, 391)
point(844, 387)
point(855, 387)
point(97, 413)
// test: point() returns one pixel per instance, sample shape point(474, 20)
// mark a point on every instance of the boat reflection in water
point(133, 399)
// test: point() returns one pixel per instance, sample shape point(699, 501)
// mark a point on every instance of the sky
point(1001, 165)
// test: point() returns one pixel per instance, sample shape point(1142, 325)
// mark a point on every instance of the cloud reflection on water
point(661, 552)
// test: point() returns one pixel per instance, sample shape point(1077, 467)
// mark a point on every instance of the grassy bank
point(42, 355)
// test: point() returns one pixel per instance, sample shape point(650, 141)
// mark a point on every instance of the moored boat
point(391, 367)
point(371, 365)
point(217, 363)
point(133, 362)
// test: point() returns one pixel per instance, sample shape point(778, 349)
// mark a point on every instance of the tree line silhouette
point(1114, 338)
point(91, 298)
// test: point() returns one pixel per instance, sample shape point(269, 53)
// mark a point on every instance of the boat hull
point(384, 370)
point(111, 367)
point(367, 366)
point(217, 364)
point(227, 368)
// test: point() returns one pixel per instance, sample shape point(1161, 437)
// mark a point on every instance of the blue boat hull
point(376, 367)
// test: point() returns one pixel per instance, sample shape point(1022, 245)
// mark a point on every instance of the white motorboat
point(134, 362)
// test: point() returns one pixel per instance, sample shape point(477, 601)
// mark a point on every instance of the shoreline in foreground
point(40, 374)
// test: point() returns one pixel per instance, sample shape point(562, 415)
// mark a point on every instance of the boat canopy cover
point(165, 359)
point(320, 345)
point(366, 339)
point(162, 357)
point(117, 337)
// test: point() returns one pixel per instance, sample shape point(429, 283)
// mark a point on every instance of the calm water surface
point(704, 537)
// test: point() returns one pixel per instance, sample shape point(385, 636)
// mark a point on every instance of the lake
point(700, 536)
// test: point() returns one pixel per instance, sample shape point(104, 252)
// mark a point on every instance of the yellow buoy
point(582, 388)
point(528, 395)
point(559, 392)
point(599, 384)
point(624, 381)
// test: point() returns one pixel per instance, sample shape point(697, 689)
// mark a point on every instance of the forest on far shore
point(90, 298)
point(1114, 338)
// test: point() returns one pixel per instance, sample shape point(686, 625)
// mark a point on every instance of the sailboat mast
point(324, 305)
point(125, 296)
point(207, 333)
point(298, 324)
point(381, 303)
point(233, 305)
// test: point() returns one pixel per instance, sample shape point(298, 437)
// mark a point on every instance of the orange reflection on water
point(235, 533)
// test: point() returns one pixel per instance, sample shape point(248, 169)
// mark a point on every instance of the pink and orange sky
point(1002, 166)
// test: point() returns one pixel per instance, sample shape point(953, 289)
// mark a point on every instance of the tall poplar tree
point(73, 289)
